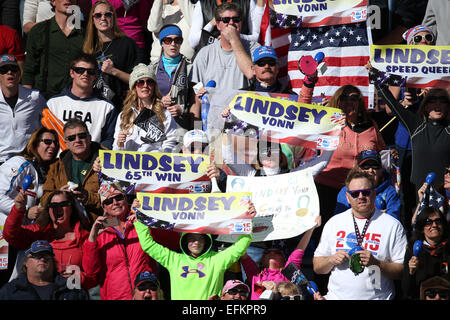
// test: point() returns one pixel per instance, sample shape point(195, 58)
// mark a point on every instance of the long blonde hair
point(131, 101)
point(92, 43)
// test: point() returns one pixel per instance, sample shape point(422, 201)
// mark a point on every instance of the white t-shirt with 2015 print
point(385, 238)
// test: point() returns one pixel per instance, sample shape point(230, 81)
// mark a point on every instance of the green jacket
point(193, 278)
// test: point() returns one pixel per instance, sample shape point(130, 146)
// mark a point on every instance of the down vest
point(116, 260)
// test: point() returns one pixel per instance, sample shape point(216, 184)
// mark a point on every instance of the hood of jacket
point(206, 249)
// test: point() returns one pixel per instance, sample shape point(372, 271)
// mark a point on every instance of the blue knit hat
point(169, 30)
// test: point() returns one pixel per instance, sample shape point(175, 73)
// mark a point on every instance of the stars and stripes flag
point(346, 49)
point(432, 198)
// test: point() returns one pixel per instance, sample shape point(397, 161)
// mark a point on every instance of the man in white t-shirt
point(226, 61)
point(81, 101)
point(382, 239)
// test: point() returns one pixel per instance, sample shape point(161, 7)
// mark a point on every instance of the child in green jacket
point(197, 272)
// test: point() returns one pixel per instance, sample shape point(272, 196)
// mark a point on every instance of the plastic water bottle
point(206, 104)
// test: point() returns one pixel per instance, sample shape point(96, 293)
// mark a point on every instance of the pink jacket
point(132, 22)
point(344, 157)
point(116, 261)
point(251, 271)
point(67, 252)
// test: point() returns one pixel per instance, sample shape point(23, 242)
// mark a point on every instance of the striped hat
point(410, 33)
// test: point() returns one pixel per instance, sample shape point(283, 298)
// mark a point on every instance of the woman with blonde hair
point(144, 124)
point(116, 53)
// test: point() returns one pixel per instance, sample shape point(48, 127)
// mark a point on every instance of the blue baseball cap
point(40, 246)
point(147, 276)
point(8, 59)
point(368, 155)
point(264, 52)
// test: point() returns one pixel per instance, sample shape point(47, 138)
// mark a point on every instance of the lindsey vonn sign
point(153, 167)
point(214, 213)
point(412, 61)
point(286, 204)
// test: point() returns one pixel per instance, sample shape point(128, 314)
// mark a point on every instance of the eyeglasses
point(54, 205)
point(147, 286)
point(241, 292)
point(168, 41)
point(227, 19)
point(262, 63)
point(99, 15)
point(294, 297)
point(355, 193)
point(39, 256)
point(365, 166)
point(81, 70)
point(349, 98)
point(140, 83)
point(6, 69)
point(429, 222)
point(432, 99)
point(428, 37)
point(81, 136)
point(109, 201)
point(431, 293)
point(49, 142)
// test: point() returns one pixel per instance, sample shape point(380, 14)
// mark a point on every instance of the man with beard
point(367, 272)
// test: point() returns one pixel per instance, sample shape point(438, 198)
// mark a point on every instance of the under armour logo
point(187, 271)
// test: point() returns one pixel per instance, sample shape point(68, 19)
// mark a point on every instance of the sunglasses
point(262, 63)
point(227, 19)
point(370, 166)
point(193, 147)
point(54, 205)
point(49, 142)
point(81, 136)
point(39, 256)
point(266, 251)
point(176, 40)
point(429, 222)
point(431, 293)
point(147, 286)
point(6, 69)
point(294, 297)
point(428, 37)
point(99, 15)
point(109, 201)
point(241, 292)
point(432, 99)
point(355, 193)
point(140, 83)
point(81, 70)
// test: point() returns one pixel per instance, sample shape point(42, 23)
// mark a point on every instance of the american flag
point(346, 49)
point(432, 198)
point(383, 78)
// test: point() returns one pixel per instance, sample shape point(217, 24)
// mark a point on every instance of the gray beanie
point(140, 71)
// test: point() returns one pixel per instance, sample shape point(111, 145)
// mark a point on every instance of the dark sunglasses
point(428, 37)
point(355, 193)
point(49, 142)
point(6, 69)
point(241, 292)
point(262, 63)
point(55, 205)
point(99, 15)
point(349, 98)
point(227, 19)
point(118, 198)
point(81, 136)
point(294, 297)
point(429, 222)
point(432, 99)
point(431, 293)
point(81, 70)
point(168, 41)
point(147, 286)
point(266, 251)
point(39, 256)
point(370, 166)
point(140, 83)
point(193, 147)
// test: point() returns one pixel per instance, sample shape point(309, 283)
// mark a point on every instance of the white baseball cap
point(195, 135)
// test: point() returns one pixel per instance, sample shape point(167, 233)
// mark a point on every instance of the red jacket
point(116, 261)
point(66, 251)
